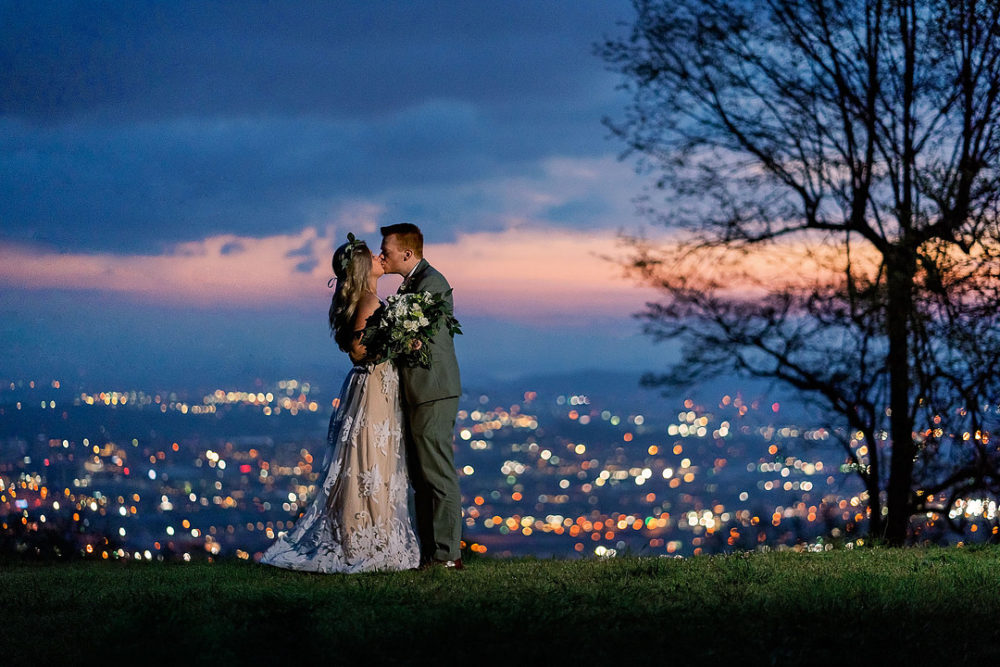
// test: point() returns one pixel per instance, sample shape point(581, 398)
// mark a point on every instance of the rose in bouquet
point(402, 327)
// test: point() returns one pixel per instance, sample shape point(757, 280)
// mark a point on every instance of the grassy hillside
point(840, 607)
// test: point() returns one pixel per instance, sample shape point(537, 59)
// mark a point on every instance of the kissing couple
point(394, 424)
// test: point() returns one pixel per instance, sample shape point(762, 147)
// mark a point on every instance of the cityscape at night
point(165, 475)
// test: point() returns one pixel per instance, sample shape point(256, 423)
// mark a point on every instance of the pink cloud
point(537, 274)
point(529, 274)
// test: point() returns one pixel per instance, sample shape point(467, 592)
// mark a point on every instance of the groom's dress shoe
point(444, 564)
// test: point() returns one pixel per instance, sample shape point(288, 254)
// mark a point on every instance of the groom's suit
point(430, 403)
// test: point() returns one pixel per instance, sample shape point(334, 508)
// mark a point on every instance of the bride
point(359, 521)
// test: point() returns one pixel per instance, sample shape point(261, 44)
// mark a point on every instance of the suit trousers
point(436, 495)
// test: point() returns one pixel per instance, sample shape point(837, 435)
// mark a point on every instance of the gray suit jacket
point(441, 380)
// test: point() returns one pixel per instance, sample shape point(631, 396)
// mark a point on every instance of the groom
point(430, 403)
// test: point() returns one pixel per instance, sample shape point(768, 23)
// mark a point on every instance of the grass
point(925, 605)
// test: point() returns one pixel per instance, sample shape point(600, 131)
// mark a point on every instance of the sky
point(175, 176)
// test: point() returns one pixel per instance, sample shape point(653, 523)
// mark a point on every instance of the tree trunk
point(901, 267)
point(872, 480)
point(876, 522)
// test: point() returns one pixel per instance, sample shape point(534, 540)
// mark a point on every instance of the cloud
point(526, 247)
point(305, 251)
point(132, 127)
point(150, 60)
point(528, 274)
point(532, 273)
point(510, 245)
point(194, 273)
point(141, 187)
point(573, 193)
point(539, 274)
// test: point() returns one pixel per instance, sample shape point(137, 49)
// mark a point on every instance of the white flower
point(331, 475)
point(382, 432)
point(398, 486)
point(366, 541)
point(410, 325)
point(370, 482)
point(390, 381)
point(424, 321)
point(345, 428)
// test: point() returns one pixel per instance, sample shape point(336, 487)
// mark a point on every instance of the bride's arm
point(368, 305)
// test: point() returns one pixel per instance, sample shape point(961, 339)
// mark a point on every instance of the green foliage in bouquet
point(393, 330)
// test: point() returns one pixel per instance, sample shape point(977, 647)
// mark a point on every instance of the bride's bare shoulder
point(368, 304)
point(369, 300)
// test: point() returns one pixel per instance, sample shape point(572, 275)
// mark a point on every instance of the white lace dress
point(359, 521)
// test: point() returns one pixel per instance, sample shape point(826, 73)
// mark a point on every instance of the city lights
point(574, 474)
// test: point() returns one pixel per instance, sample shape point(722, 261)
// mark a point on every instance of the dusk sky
point(174, 178)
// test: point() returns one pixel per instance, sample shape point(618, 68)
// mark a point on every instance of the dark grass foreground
point(921, 606)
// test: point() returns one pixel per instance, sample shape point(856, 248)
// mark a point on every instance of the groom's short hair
point(408, 235)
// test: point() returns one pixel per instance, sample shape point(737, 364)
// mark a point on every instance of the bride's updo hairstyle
point(352, 265)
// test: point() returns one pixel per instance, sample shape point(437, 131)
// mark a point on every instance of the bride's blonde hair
point(352, 265)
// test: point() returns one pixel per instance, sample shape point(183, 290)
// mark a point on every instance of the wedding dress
point(359, 521)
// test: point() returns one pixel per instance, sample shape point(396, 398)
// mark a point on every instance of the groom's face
point(393, 257)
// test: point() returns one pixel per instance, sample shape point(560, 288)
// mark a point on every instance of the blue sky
point(174, 176)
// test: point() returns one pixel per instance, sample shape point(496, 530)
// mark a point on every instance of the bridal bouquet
point(393, 330)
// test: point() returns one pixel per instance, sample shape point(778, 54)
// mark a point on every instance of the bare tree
point(862, 138)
